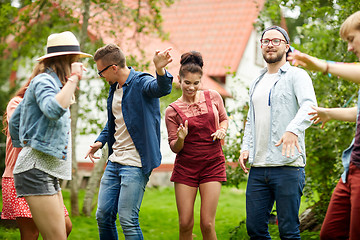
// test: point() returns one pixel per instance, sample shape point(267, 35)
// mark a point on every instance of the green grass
point(159, 219)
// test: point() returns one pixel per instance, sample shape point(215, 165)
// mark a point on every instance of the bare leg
point(48, 215)
point(28, 229)
point(210, 193)
point(68, 225)
point(185, 199)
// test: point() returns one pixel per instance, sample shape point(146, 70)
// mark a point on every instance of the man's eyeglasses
point(100, 72)
point(274, 41)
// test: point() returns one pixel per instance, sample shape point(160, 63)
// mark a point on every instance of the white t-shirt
point(261, 100)
point(124, 150)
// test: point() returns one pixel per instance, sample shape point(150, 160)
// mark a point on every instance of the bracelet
point(327, 69)
point(74, 74)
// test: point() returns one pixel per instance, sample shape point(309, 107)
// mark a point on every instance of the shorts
point(195, 172)
point(35, 182)
point(14, 207)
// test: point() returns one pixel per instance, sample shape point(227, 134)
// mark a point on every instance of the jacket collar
point(130, 77)
point(128, 80)
point(53, 74)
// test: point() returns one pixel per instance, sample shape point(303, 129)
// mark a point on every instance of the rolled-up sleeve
point(45, 92)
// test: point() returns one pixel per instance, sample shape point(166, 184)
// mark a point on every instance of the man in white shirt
point(274, 139)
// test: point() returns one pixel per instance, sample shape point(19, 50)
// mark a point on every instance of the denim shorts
point(35, 182)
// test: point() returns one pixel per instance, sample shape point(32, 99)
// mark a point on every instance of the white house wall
point(249, 68)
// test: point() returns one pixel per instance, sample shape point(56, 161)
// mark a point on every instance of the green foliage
point(7, 13)
point(234, 174)
point(158, 216)
point(316, 32)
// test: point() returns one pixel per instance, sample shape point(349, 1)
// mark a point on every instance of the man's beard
point(273, 59)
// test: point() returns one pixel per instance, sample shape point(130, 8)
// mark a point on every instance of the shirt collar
point(128, 80)
point(283, 68)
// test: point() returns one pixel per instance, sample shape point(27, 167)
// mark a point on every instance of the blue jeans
point(121, 190)
point(266, 185)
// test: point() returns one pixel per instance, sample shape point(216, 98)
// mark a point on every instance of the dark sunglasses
point(100, 72)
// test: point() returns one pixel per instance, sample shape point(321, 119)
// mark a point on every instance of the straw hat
point(62, 44)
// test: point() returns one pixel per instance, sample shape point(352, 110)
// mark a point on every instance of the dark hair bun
point(192, 57)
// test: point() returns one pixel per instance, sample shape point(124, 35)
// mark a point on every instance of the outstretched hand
point(319, 115)
point(289, 141)
point(162, 59)
point(312, 63)
point(92, 151)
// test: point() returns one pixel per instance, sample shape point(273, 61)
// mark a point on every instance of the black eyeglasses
point(100, 72)
point(274, 41)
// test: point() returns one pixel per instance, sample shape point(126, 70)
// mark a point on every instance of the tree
point(94, 183)
point(316, 31)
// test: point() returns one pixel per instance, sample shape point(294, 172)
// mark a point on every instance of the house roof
point(219, 29)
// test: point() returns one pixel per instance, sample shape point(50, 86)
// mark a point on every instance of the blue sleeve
point(158, 87)
point(103, 136)
point(45, 89)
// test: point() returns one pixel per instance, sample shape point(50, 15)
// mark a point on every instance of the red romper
point(201, 160)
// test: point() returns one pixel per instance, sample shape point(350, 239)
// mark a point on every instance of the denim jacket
point(141, 111)
point(347, 152)
point(290, 100)
point(39, 121)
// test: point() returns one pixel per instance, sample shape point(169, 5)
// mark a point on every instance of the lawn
point(158, 217)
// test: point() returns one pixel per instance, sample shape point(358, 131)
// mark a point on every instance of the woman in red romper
point(196, 123)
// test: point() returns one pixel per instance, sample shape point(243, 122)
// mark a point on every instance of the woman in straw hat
point(41, 126)
point(17, 208)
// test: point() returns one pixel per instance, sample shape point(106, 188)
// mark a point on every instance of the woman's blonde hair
point(351, 23)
